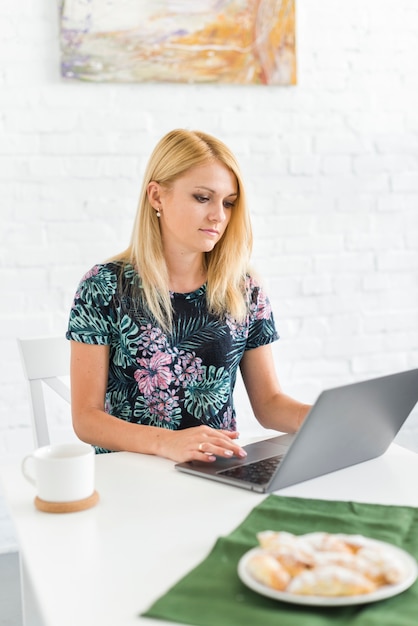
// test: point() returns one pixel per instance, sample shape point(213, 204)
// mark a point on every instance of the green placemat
point(213, 595)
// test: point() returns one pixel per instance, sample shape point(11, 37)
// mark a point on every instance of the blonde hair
point(226, 264)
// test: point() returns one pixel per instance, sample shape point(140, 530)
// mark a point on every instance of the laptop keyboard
point(258, 472)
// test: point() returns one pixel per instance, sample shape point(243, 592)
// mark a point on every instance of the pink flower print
point(151, 339)
point(188, 368)
point(157, 408)
point(264, 308)
point(228, 421)
point(168, 399)
point(153, 373)
point(162, 405)
point(93, 272)
point(236, 328)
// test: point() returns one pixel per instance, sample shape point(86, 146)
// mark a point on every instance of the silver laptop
point(346, 425)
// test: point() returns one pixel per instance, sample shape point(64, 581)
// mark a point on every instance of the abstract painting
point(188, 41)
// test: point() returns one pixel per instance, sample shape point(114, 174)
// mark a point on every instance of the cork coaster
point(67, 507)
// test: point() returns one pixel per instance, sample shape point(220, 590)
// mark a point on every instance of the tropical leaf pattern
point(172, 381)
point(205, 398)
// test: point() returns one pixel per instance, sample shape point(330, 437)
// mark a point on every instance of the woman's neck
point(186, 275)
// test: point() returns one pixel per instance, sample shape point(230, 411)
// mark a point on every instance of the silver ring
point(200, 447)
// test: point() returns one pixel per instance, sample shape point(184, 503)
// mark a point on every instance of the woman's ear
point(153, 192)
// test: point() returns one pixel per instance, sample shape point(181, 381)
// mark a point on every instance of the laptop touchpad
point(260, 449)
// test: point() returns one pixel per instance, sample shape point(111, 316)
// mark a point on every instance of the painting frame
point(210, 41)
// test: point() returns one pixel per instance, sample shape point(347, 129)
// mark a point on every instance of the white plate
point(386, 591)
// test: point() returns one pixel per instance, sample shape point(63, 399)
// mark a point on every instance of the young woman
point(158, 332)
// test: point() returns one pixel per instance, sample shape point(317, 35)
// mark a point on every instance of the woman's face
point(196, 209)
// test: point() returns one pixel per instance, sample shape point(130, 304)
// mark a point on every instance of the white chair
point(44, 361)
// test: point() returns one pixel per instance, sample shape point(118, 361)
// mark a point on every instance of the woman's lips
point(209, 231)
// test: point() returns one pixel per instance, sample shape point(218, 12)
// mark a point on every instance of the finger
point(203, 447)
point(221, 448)
point(218, 442)
point(207, 431)
point(203, 454)
point(232, 434)
point(207, 458)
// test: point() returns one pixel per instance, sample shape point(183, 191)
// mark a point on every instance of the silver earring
point(158, 214)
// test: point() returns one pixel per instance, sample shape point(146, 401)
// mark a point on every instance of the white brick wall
point(332, 173)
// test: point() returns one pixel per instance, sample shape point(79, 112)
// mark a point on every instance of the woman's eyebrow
point(233, 193)
point(205, 188)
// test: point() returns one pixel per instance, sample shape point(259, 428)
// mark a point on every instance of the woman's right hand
point(200, 443)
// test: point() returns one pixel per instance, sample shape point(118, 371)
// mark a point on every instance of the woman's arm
point(272, 408)
point(89, 373)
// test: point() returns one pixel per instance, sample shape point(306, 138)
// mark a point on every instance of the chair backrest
point(44, 361)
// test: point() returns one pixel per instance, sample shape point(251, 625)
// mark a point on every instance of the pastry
point(324, 564)
point(388, 569)
point(330, 580)
point(267, 570)
point(326, 542)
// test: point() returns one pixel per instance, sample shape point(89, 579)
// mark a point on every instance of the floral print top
point(175, 380)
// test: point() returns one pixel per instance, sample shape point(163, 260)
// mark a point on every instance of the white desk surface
point(152, 525)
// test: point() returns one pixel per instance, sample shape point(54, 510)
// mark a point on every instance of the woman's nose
point(217, 213)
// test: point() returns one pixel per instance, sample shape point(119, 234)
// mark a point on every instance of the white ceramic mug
point(61, 472)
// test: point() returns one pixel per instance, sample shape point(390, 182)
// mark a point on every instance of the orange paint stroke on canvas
point(250, 42)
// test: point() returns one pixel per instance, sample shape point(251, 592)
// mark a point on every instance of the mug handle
point(25, 469)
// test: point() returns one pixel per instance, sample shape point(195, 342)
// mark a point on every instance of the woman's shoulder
point(252, 283)
point(257, 297)
point(118, 270)
point(105, 280)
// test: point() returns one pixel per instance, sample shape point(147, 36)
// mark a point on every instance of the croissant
point(326, 542)
point(387, 568)
point(330, 580)
point(324, 564)
point(268, 571)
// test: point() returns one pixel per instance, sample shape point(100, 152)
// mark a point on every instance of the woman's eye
point(229, 204)
point(201, 198)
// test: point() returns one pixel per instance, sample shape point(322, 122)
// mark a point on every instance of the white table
point(152, 525)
